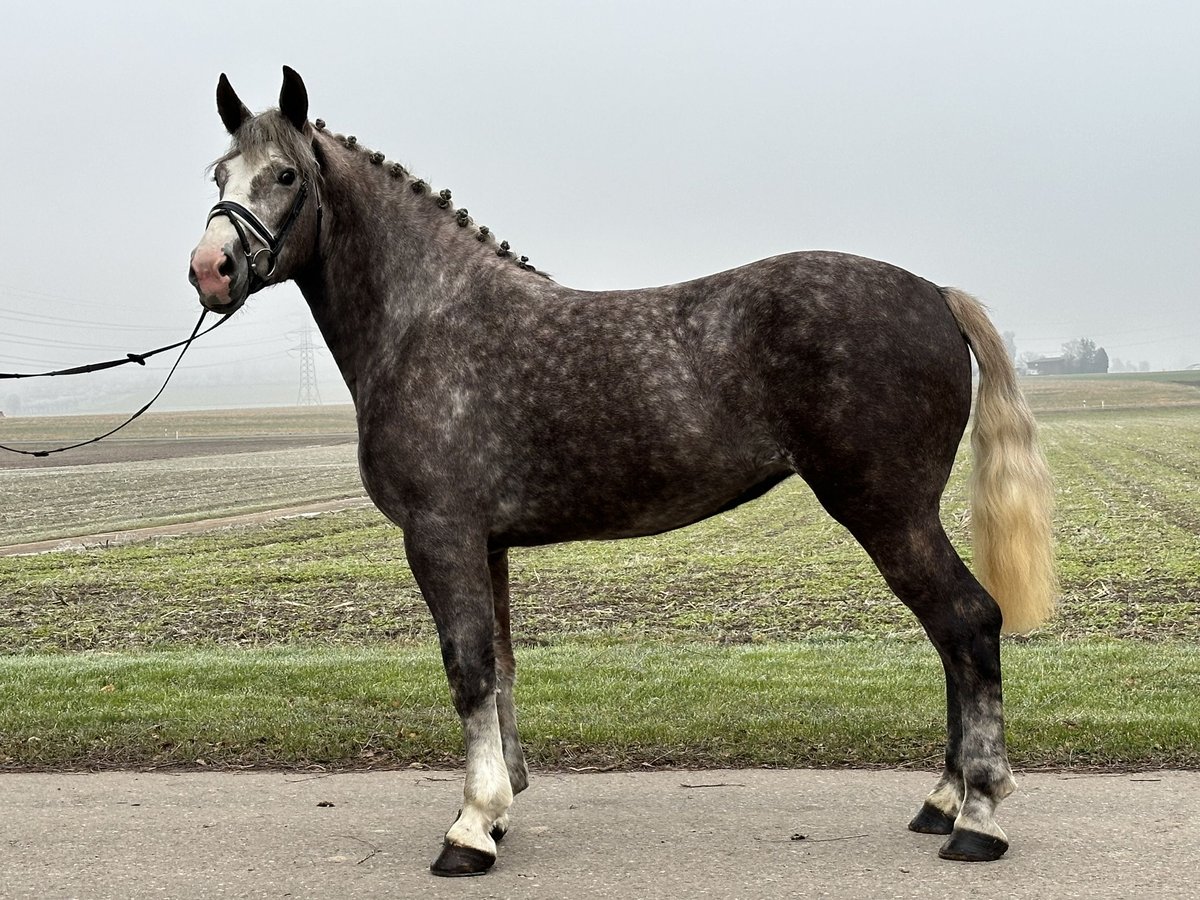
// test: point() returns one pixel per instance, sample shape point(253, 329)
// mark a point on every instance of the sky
point(1041, 155)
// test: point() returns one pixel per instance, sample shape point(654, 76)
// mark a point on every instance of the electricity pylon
point(309, 394)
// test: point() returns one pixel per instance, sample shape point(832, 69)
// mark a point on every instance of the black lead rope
point(139, 358)
point(261, 265)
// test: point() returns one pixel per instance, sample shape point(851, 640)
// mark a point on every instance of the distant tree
point(1010, 344)
point(1082, 355)
point(1143, 366)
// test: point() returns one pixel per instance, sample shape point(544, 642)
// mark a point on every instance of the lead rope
point(139, 358)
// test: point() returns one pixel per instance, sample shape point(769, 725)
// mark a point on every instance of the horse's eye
point(287, 176)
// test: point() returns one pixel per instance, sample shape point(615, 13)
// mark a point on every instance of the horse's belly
point(624, 504)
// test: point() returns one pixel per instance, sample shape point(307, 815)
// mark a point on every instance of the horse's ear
point(293, 98)
point(233, 111)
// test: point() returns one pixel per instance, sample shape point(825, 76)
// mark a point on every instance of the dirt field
point(115, 450)
point(127, 485)
point(200, 526)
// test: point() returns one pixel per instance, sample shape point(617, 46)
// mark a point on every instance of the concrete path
point(720, 834)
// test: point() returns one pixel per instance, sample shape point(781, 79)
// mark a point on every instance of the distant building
point(1048, 365)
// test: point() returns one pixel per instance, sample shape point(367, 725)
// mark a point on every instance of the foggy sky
point(1040, 155)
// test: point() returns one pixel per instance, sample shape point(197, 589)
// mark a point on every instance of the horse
point(497, 409)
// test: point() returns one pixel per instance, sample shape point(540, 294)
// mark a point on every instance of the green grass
point(848, 703)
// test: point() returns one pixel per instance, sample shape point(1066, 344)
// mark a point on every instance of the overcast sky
point(1041, 155)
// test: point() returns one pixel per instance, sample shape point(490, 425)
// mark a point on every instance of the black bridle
point(261, 262)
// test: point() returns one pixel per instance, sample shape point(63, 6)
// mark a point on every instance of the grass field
point(311, 644)
point(589, 705)
point(1131, 390)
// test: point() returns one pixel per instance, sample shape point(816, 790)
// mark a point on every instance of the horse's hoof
point(931, 820)
point(457, 862)
point(972, 846)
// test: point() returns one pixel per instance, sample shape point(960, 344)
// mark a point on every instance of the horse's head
point(265, 226)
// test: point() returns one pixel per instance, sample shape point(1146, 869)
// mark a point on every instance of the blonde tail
point(1011, 493)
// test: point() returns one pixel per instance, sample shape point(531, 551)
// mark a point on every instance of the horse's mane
point(396, 172)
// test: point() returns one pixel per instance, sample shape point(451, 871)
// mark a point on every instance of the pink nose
point(211, 267)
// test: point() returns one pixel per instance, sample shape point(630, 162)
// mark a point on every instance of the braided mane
point(441, 198)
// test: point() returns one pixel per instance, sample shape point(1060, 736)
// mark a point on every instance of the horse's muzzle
point(219, 277)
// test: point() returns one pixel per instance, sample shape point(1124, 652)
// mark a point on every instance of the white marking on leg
point(978, 814)
point(487, 793)
point(947, 794)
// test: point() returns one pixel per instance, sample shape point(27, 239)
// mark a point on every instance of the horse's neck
point(388, 257)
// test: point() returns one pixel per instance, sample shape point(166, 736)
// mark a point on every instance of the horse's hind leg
point(451, 568)
point(506, 672)
point(940, 809)
point(914, 554)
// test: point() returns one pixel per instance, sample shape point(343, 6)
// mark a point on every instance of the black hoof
point(458, 862)
point(931, 820)
point(971, 846)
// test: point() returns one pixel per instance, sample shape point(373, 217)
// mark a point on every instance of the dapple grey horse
point(498, 409)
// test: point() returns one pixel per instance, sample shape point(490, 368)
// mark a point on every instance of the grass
point(859, 703)
point(766, 632)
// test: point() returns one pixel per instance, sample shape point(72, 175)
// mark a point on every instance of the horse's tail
point(1011, 493)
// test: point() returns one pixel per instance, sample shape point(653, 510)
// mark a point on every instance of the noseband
point(261, 262)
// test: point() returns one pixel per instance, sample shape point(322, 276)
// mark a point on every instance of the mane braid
point(441, 199)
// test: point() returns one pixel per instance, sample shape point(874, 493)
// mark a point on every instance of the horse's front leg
point(506, 673)
point(450, 565)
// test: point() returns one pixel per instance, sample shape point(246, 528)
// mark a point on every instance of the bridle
point(261, 262)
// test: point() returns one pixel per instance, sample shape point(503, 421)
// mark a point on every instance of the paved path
point(719, 834)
